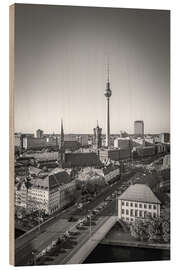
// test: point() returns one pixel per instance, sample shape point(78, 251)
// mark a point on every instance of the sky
point(61, 55)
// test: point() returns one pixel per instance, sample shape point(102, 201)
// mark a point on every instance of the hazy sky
point(60, 68)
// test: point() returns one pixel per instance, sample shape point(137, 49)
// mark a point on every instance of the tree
point(151, 229)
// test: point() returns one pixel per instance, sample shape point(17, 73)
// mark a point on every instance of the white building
point(49, 192)
point(138, 201)
point(122, 143)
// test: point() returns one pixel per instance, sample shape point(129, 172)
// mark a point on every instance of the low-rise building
point(138, 202)
point(145, 151)
point(165, 137)
point(114, 154)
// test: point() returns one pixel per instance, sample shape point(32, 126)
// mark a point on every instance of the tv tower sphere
point(108, 91)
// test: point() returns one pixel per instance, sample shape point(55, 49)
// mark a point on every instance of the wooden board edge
point(11, 135)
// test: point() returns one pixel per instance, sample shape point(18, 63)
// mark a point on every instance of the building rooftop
point(139, 193)
point(83, 159)
point(54, 179)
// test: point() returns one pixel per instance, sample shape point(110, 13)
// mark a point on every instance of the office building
point(39, 133)
point(139, 128)
point(97, 136)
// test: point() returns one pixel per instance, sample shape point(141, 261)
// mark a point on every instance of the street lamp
point(89, 222)
point(34, 257)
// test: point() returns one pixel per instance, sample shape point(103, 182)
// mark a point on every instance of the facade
point(165, 138)
point(139, 127)
point(122, 143)
point(138, 202)
point(39, 133)
point(38, 143)
point(138, 141)
point(149, 140)
point(49, 192)
point(82, 159)
point(166, 162)
point(146, 151)
point(114, 154)
point(18, 140)
point(97, 136)
point(160, 148)
point(83, 139)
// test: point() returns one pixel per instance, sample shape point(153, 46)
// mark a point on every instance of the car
point(71, 219)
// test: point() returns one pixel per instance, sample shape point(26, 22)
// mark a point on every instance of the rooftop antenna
point(108, 68)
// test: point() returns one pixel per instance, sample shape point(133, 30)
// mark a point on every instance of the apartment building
point(46, 192)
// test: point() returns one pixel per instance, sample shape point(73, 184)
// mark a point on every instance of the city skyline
point(60, 68)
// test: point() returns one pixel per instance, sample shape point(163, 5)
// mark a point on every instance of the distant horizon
point(104, 134)
point(61, 57)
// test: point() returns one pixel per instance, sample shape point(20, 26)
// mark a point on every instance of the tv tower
point(107, 94)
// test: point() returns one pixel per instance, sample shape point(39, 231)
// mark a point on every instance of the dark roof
point(139, 193)
point(55, 179)
point(82, 159)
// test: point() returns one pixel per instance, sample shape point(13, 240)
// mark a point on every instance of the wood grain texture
point(11, 134)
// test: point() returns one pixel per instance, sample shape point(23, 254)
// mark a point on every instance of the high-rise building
point(39, 133)
point(61, 153)
point(97, 136)
point(139, 127)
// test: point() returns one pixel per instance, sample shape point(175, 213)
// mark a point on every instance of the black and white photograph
point(90, 155)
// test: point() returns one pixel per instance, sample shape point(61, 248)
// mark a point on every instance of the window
point(131, 204)
point(127, 204)
point(154, 206)
point(140, 205)
point(145, 206)
point(127, 212)
point(140, 213)
point(135, 204)
point(131, 219)
point(154, 215)
point(136, 213)
point(150, 206)
point(122, 203)
point(131, 212)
